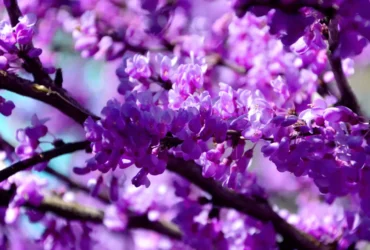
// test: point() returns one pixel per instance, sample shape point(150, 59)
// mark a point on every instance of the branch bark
point(75, 211)
point(42, 157)
point(347, 97)
point(290, 7)
point(52, 95)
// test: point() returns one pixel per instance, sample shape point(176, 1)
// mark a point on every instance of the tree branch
point(290, 7)
point(75, 211)
point(9, 149)
point(257, 208)
point(136, 221)
point(42, 157)
point(52, 95)
point(347, 97)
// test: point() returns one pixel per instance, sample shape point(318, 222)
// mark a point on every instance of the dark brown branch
point(347, 97)
point(291, 7)
point(75, 185)
point(162, 227)
point(216, 59)
point(42, 157)
point(52, 95)
point(75, 211)
point(255, 207)
point(136, 221)
point(7, 147)
point(32, 65)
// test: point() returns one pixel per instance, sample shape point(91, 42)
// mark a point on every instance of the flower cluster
point(206, 100)
point(309, 20)
point(14, 41)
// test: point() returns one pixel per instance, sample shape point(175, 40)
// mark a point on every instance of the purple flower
point(6, 107)
point(138, 67)
point(24, 29)
point(6, 35)
point(115, 218)
point(30, 136)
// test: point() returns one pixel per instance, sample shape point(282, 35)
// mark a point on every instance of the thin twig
point(42, 157)
point(347, 97)
point(9, 148)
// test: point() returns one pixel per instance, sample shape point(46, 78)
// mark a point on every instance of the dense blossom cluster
point(294, 20)
point(205, 103)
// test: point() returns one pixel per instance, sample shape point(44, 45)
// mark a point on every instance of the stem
point(75, 211)
point(347, 97)
point(42, 157)
point(255, 207)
